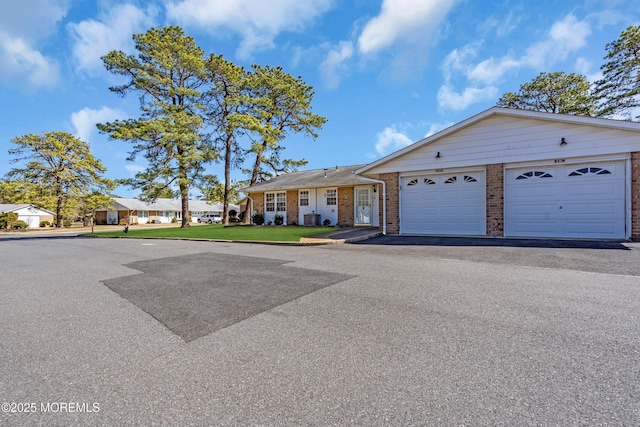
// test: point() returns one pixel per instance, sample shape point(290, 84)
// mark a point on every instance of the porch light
point(438, 155)
point(563, 142)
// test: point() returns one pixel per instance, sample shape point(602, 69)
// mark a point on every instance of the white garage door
point(584, 201)
point(451, 203)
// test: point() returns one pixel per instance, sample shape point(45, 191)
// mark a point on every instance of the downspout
point(384, 201)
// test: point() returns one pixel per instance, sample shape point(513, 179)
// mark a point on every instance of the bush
point(19, 225)
point(257, 218)
point(326, 222)
point(278, 219)
point(6, 219)
point(174, 220)
point(44, 224)
point(66, 223)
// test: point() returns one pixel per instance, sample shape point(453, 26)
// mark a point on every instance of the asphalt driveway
point(366, 334)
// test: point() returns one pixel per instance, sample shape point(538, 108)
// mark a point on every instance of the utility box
point(311, 219)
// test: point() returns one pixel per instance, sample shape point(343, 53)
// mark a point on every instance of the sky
point(385, 73)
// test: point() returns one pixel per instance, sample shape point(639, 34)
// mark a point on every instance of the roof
point(16, 207)
point(170, 205)
point(512, 112)
point(339, 176)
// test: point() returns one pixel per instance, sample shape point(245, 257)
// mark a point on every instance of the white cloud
point(133, 168)
point(21, 62)
point(449, 99)
point(404, 20)
point(112, 31)
point(334, 63)
point(258, 22)
point(86, 119)
point(564, 37)
point(23, 25)
point(390, 140)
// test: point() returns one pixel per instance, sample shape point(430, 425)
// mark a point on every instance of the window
point(590, 171)
point(451, 180)
point(428, 181)
point(332, 197)
point(281, 202)
point(535, 174)
point(469, 179)
point(143, 214)
point(270, 199)
point(304, 198)
point(412, 182)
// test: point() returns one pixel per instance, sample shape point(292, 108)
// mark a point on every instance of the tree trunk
point(184, 195)
point(59, 204)
point(227, 179)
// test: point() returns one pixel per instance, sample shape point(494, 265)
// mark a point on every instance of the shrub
point(6, 219)
point(326, 222)
point(19, 225)
point(257, 218)
point(174, 220)
point(278, 219)
point(44, 224)
point(66, 223)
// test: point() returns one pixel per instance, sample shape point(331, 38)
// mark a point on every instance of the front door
point(363, 206)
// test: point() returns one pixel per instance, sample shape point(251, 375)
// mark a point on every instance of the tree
point(168, 75)
point(281, 105)
point(214, 191)
point(555, 92)
point(59, 166)
point(619, 89)
point(227, 101)
point(92, 202)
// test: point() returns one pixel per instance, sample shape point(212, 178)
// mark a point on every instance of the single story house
point(134, 211)
point(336, 195)
point(501, 173)
point(517, 173)
point(30, 214)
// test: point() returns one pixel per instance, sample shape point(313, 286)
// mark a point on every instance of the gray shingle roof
point(339, 176)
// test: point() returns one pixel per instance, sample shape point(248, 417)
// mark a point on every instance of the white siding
point(505, 139)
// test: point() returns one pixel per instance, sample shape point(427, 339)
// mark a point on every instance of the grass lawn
point(219, 232)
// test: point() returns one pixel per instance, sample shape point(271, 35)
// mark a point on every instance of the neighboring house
point(134, 211)
point(336, 194)
point(30, 214)
point(517, 173)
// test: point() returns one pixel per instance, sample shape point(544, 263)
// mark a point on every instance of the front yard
point(220, 232)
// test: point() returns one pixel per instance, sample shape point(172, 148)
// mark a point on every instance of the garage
point(445, 204)
point(585, 200)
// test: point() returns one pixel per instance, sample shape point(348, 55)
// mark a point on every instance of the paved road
point(380, 335)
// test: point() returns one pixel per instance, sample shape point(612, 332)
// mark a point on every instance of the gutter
point(384, 201)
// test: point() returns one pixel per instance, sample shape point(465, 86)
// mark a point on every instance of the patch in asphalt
point(195, 295)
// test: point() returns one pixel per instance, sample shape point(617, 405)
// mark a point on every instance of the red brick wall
point(495, 200)
point(345, 206)
point(635, 195)
point(258, 202)
point(393, 202)
point(292, 207)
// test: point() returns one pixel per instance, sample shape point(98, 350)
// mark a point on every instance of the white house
point(516, 173)
point(30, 214)
point(134, 211)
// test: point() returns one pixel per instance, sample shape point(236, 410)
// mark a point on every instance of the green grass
point(219, 232)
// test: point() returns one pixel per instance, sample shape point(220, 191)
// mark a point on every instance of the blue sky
point(385, 73)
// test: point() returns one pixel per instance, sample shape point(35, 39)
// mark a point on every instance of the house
point(30, 214)
point(335, 195)
point(516, 173)
point(134, 211)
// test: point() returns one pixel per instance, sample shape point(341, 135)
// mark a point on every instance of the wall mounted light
point(563, 142)
point(438, 155)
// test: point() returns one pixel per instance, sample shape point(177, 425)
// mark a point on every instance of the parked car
point(211, 218)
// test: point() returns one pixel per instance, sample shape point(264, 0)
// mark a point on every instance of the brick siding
point(495, 200)
point(393, 202)
point(258, 202)
point(345, 206)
